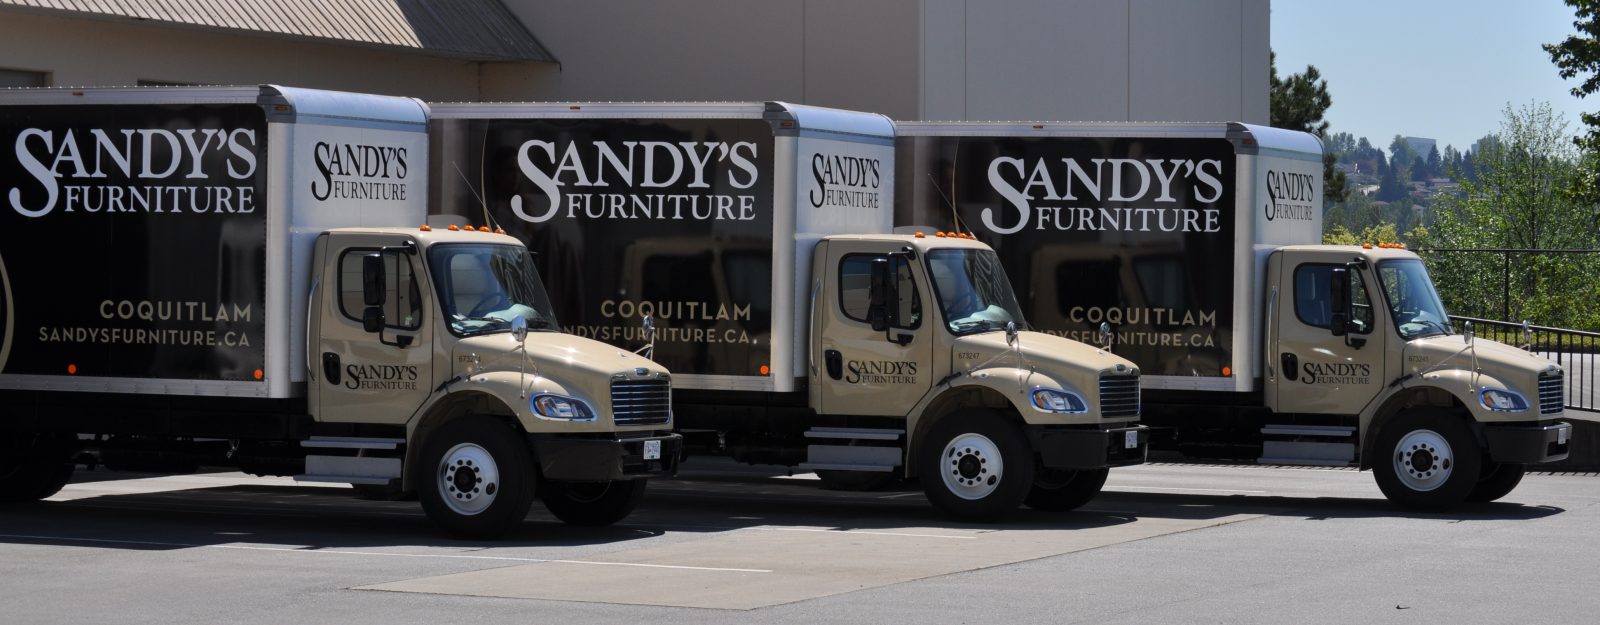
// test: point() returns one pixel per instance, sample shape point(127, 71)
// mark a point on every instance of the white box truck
point(1198, 244)
point(243, 277)
point(801, 330)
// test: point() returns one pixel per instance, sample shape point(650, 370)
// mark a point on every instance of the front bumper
point(1090, 448)
point(1529, 443)
point(583, 459)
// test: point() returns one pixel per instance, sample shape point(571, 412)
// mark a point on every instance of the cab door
point(1315, 370)
point(863, 371)
point(371, 377)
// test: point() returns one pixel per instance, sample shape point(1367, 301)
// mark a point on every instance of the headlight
point(1501, 400)
point(559, 407)
point(1056, 400)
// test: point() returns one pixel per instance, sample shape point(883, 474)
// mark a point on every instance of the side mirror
point(1339, 301)
point(1105, 336)
point(880, 296)
point(1466, 331)
point(519, 328)
point(372, 319)
point(1011, 334)
point(372, 281)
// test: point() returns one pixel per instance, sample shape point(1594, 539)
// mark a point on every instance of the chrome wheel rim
point(468, 479)
point(1423, 460)
point(971, 466)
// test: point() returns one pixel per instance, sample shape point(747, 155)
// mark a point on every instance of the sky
point(1441, 69)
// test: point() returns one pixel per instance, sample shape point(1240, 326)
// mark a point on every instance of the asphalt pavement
point(726, 543)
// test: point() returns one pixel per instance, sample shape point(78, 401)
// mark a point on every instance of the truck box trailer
point(1199, 246)
point(244, 277)
point(756, 240)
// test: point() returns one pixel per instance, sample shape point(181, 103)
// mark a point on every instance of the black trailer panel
point(667, 218)
point(133, 241)
point(1137, 232)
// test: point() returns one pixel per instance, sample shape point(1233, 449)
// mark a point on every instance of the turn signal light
point(258, 374)
point(72, 369)
point(1227, 372)
point(765, 370)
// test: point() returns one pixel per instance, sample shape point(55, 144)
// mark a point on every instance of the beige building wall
point(88, 52)
point(840, 53)
point(1112, 60)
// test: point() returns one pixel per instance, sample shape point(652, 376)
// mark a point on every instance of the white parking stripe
point(1197, 490)
point(73, 539)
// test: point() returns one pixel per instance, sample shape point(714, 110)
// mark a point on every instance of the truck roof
point(1373, 252)
point(926, 241)
point(429, 235)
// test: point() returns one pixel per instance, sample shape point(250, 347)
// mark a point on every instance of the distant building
point(1421, 146)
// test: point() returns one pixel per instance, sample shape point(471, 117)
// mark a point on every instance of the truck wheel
point(592, 504)
point(855, 481)
point(976, 465)
point(480, 478)
point(30, 472)
point(1432, 461)
point(1056, 490)
point(1497, 481)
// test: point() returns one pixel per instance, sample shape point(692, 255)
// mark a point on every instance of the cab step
point(350, 469)
point(352, 442)
point(1328, 445)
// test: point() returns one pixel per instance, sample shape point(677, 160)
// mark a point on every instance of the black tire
point(30, 471)
point(856, 481)
point(592, 504)
point(1497, 480)
point(955, 465)
point(1427, 461)
point(1057, 490)
point(485, 469)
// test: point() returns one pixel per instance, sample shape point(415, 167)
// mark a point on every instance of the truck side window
point(855, 280)
point(1311, 303)
point(402, 308)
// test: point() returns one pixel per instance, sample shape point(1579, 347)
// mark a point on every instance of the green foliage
point(1579, 55)
point(1530, 193)
point(1298, 102)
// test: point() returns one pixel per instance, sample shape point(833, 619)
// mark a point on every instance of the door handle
point(835, 362)
point(1291, 366)
point(330, 367)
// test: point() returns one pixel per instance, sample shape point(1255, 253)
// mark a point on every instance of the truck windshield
point(973, 292)
point(1413, 302)
point(483, 287)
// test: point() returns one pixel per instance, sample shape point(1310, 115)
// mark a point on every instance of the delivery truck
point(801, 330)
point(245, 277)
point(1199, 246)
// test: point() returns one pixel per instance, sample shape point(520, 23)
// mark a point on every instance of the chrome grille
point(1119, 396)
point(641, 402)
point(1551, 393)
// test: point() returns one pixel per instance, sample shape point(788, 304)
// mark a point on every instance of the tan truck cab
point(449, 333)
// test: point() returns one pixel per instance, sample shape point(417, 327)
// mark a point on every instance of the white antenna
point(487, 218)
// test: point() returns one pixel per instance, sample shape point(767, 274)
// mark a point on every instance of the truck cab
point(923, 330)
point(1363, 367)
point(446, 337)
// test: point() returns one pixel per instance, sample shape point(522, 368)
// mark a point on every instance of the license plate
point(1561, 435)
point(1130, 440)
point(652, 450)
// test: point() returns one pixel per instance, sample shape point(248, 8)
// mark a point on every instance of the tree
point(1389, 186)
point(1298, 102)
point(1579, 54)
point(1528, 194)
point(1400, 151)
point(1419, 169)
point(1435, 162)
